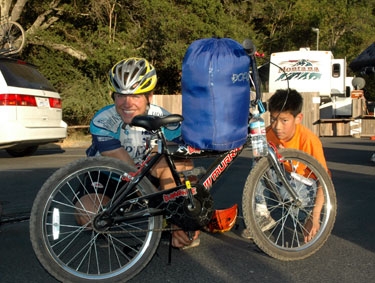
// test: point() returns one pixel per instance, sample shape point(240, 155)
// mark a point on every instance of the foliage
point(74, 43)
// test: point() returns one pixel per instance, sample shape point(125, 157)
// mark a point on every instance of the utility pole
point(316, 30)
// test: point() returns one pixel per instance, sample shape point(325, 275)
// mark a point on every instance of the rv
point(314, 71)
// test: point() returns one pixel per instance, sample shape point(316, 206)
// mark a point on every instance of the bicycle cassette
point(191, 218)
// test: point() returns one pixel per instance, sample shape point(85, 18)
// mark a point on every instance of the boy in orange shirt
point(286, 131)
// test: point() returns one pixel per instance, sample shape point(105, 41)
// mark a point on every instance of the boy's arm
point(312, 225)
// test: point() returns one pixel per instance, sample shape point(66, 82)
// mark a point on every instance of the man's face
point(284, 124)
point(130, 105)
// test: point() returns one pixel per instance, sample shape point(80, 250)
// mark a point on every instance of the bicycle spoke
point(280, 227)
point(66, 240)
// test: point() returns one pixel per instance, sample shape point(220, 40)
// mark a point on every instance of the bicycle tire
point(74, 253)
point(12, 38)
point(285, 240)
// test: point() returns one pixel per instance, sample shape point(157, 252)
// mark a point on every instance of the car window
point(25, 76)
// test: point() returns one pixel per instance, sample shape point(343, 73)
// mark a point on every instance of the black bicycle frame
point(156, 202)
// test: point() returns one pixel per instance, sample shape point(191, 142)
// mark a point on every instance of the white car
point(30, 109)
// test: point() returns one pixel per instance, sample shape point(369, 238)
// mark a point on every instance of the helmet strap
point(147, 95)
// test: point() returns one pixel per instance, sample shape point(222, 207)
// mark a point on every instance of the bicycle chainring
point(188, 218)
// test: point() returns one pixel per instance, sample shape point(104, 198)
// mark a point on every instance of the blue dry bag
point(215, 94)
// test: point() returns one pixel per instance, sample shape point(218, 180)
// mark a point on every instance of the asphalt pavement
point(348, 255)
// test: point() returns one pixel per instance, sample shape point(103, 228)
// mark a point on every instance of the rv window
point(336, 70)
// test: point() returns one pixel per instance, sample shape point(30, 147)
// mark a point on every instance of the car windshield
point(25, 76)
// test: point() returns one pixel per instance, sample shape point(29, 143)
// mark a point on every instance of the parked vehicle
point(314, 71)
point(30, 109)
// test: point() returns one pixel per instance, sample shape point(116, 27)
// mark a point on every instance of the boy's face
point(284, 124)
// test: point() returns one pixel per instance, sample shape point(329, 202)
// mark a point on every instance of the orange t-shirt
point(304, 140)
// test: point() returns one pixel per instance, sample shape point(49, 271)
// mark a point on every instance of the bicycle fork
point(276, 160)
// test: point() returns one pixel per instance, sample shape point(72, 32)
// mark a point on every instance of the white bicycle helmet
point(132, 76)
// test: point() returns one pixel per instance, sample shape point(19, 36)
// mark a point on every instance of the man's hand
point(181, 239)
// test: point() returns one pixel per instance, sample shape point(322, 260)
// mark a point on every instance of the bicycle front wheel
point(68, 247)
point(280, 225)
point(12, 38)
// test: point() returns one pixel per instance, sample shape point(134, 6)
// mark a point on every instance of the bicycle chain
point(144, 230)
point(137, 231)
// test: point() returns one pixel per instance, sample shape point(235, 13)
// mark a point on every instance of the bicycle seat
point(151, 123)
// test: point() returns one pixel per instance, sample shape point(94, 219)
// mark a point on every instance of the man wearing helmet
point(132, 81)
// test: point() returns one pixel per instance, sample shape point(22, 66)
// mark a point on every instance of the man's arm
point(119, 153)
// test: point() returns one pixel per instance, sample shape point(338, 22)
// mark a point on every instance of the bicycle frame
point(157, 201)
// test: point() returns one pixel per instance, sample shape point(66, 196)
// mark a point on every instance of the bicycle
point(12, 37)
point(119, 240)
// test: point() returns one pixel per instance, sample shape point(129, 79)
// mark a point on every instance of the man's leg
point(180, 238)
point(164, 174)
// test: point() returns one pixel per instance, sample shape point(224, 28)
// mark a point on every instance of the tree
point(12, 10)
point(74, 43)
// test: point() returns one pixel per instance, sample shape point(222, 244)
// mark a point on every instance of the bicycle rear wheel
point(265, 201)
point(12, 38)
point(73, 252)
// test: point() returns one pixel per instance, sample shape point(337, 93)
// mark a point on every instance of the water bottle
point(258, 135)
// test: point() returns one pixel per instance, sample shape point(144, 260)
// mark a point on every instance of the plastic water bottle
point(258, 135)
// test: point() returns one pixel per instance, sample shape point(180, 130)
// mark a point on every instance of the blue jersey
point(109, 133)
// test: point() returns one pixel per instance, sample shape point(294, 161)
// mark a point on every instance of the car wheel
point(22, 151)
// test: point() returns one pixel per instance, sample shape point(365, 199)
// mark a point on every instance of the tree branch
point(63, 48)
point(41, 23)
point(17, 10)
point(69, 50)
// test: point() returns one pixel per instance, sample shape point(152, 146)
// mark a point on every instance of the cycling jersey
point(109, 133)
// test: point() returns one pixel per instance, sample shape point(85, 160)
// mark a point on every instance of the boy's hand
point(311, 228)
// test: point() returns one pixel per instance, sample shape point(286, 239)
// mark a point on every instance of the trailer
point(314, 71)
